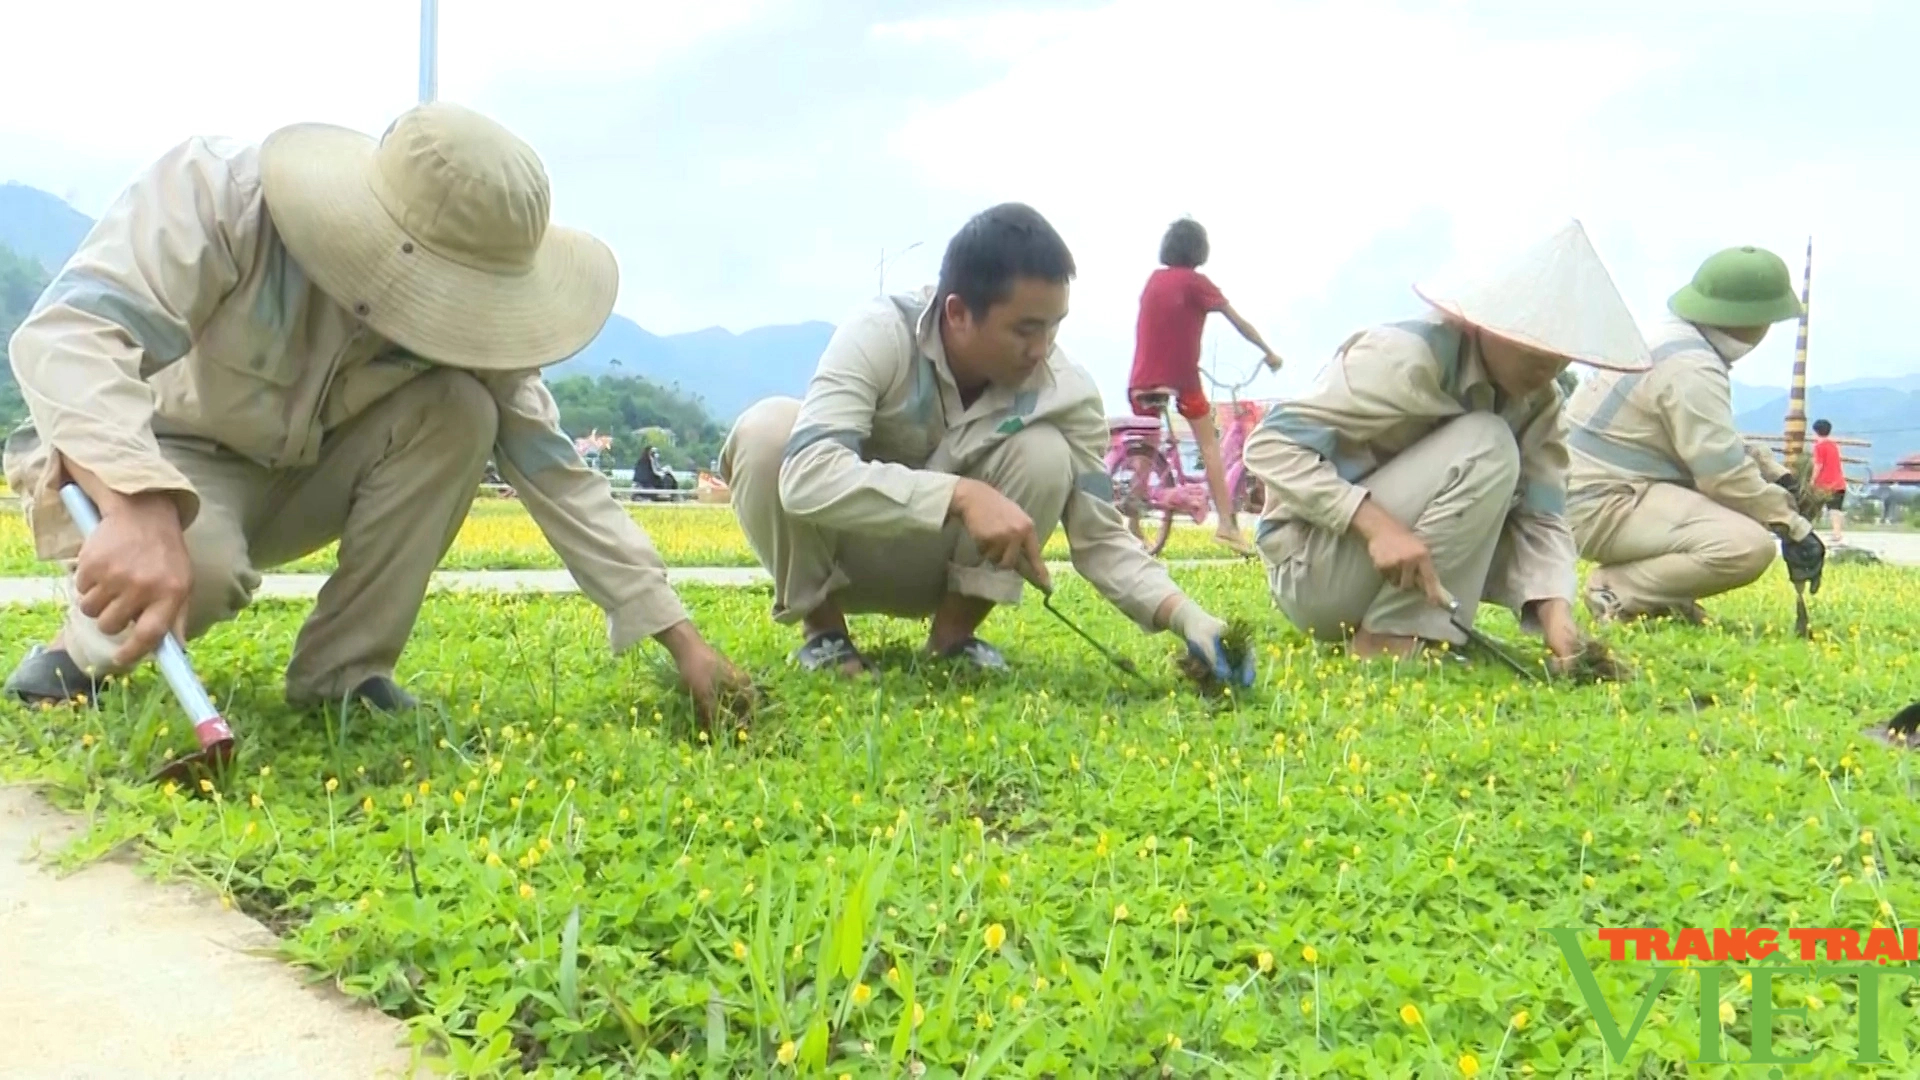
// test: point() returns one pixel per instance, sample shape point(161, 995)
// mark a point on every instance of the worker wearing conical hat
point(1428, 466)
point(261, 350)
point(1664, 495)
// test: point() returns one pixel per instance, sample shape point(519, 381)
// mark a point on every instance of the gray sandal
point(828, 650)
point(50, 677)
point(976, 652)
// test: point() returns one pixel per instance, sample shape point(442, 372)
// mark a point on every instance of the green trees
point(637, 412)
point(21, 280)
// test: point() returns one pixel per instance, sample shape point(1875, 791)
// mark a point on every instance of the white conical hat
point(1557, 297)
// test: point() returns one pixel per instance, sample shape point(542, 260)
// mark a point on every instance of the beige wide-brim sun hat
point(1556, 298)
point(437, 237)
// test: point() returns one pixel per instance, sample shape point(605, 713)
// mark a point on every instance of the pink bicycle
point(1149, 471)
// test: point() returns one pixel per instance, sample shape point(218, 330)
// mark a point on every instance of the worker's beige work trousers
point(392, 485)
point(907, 576)
point(1453, 489)
point(1666, 547)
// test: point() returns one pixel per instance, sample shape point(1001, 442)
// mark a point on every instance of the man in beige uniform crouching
point(1665, 495)
point(941, 441)
point(258, 351)
point(1428, 464)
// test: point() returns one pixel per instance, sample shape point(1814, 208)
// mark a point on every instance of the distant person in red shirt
point(1166, 355)
point(1828, 478)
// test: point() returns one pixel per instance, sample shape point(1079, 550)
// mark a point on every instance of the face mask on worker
point(1729, 347)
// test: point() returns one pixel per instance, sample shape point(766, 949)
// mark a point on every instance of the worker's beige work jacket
point(1386, 389)
point(183, 316)
point(882, 438)
point(1670, 424)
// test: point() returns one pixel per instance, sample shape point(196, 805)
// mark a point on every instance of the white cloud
point(121, 80)
point(1301, 133)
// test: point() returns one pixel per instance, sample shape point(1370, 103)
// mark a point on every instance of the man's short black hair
point(1822, 428)
point(995, 247)
point(1185, 244)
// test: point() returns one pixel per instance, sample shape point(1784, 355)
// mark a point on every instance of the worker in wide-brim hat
point(260, 350)
point(1665, 496)
point(1427, 466)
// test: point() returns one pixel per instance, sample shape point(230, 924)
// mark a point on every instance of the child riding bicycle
point(1166, 359)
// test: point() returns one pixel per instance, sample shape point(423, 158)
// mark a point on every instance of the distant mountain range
point(40, 226)
point(729, 371)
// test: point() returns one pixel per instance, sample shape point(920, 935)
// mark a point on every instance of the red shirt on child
point(1827, 474)
point(1166, 346)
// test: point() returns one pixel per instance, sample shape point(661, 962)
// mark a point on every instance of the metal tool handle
point(171, 658)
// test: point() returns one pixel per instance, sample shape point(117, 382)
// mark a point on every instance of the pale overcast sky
point(749, 160)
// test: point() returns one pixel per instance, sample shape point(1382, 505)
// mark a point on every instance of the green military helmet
point(1743, 286)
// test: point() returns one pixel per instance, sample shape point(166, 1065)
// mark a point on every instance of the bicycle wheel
point(1136, 478)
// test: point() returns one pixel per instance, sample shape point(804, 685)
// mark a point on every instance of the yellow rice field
point(500, 535)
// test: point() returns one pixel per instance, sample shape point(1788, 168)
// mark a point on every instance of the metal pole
point(1797, 397)
point(429, 50)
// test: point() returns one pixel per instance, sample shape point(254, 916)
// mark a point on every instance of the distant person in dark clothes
point(650, 475)
point(1828, 477)
point(1166, 355)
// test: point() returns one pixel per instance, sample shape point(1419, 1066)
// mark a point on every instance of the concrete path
point(1901, 549)
point(104, 974)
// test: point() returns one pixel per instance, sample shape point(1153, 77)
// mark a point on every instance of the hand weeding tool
point(216, 739)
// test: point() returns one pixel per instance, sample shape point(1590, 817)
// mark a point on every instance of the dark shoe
point(976, 652)
point(50, 677)
point(832, 649)
point(379, 693)
point(385, 695)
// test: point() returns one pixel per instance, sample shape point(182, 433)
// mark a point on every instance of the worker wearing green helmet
point(1663, 494)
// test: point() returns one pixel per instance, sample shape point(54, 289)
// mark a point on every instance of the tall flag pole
point(429, 50)
point(1796, 434)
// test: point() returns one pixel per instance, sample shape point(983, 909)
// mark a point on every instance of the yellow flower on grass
point(1410, 1013)
point(1264, 961)
point(1469, 1065)
point(788, 1052)
point(1310, 955)
point(996, 936)
point(1726, 1012)
point(1180, 915)
point(526, 891)
point(1520, 1020)
point(862, 993)
point(739, 950)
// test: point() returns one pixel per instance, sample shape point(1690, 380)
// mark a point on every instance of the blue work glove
point(1203, 634)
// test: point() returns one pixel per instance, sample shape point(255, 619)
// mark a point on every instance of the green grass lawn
point(1347, 871)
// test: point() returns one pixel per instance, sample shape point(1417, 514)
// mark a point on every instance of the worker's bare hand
point(719, 688)
point(1558, 628)
point(1001, 530)
point(134, 573)
point(1402, 558)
